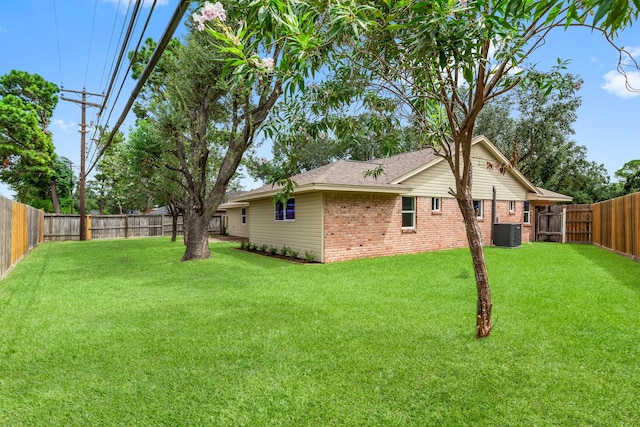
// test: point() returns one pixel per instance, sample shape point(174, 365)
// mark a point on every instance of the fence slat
point(21, 229)
point(67, 227)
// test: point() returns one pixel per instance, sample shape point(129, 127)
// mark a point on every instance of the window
point(408, 212)
point(435, 204)
point(512, 206)
point(243, 215)
point(477, 206)
point(285, 213)
point(527, 213)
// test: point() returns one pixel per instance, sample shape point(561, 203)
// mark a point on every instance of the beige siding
point(436, 180)
point(303, 234)
point(235, 227)
point(432, 182)
point(484, 178)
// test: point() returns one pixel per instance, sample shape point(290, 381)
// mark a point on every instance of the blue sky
point(67, 42)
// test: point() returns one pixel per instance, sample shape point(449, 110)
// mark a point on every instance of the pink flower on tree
point(267, 63)
point(209, 12)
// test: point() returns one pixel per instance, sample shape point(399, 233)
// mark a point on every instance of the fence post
point(564, 225)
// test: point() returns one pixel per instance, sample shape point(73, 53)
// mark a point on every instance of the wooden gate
point(579, 223)
point(550, 224)
point(564, 223)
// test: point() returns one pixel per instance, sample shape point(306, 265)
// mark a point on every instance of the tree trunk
point(55, 201)
point(174, 225)
point(474, 237)
point(196, 232)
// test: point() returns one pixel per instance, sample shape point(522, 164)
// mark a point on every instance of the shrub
point(253, 246)
point(273, 250)
point(293, 254)
point(243, 245)
point(284, 251)
point(263, 247)
point(309, 256)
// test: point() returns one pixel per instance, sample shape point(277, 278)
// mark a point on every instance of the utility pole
point(83, 130)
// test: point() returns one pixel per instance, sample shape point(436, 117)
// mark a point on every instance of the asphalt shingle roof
point(352, 172)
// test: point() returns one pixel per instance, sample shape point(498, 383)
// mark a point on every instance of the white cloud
point(618, 84)
point(634, 51)
point(66, 127)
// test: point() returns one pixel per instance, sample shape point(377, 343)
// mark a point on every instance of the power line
point(93, 24)
point(118, 63)
point(126, 73)
point(106, 57)
point(124, 23)
point(155, 57)
point(123, 49)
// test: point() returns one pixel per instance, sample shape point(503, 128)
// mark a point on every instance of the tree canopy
point(27, 153)
point(534, 127)
point(442, 61)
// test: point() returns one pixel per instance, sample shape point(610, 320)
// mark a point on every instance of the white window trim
point(480, 213)
point(526, 215)
point(284, 211)
point(243, 216)
point(512, 206)
point(413, 212)
point(436, 201)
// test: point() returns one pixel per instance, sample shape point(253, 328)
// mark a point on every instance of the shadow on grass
point(624, 270)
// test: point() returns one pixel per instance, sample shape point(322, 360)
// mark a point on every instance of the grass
point(122, 333)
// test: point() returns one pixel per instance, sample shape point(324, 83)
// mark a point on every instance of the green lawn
point(122, 333)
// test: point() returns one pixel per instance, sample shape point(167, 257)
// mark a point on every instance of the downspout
point(493, 213)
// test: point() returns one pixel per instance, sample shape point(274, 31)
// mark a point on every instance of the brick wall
point(363, 225)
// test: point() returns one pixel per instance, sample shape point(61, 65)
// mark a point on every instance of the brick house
point(337, 213)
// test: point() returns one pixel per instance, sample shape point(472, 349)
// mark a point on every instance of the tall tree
point(111, 185)
point(331, 120)
point(27, 102)
point(534, 125)
point(213, 109)
point(443, 60)
point(65, 183)
point(629, 176)
point(149, 156)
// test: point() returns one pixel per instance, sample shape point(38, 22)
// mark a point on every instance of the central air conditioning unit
point(507, 235)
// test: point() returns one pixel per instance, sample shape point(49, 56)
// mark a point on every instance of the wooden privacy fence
point(613, 224)
point(67, 227)
point(21, 229)
point(616, 225)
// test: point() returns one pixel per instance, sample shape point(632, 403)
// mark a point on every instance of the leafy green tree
point(534, 126)
point(155, 86)
point(36, 190)
point(629, 176)
point(446, 61)
point(27, 102)
point(111, 185)
point(331, 120)
point(148, 157)
point(65, 183)
point(210, 110)
point(442, 60)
